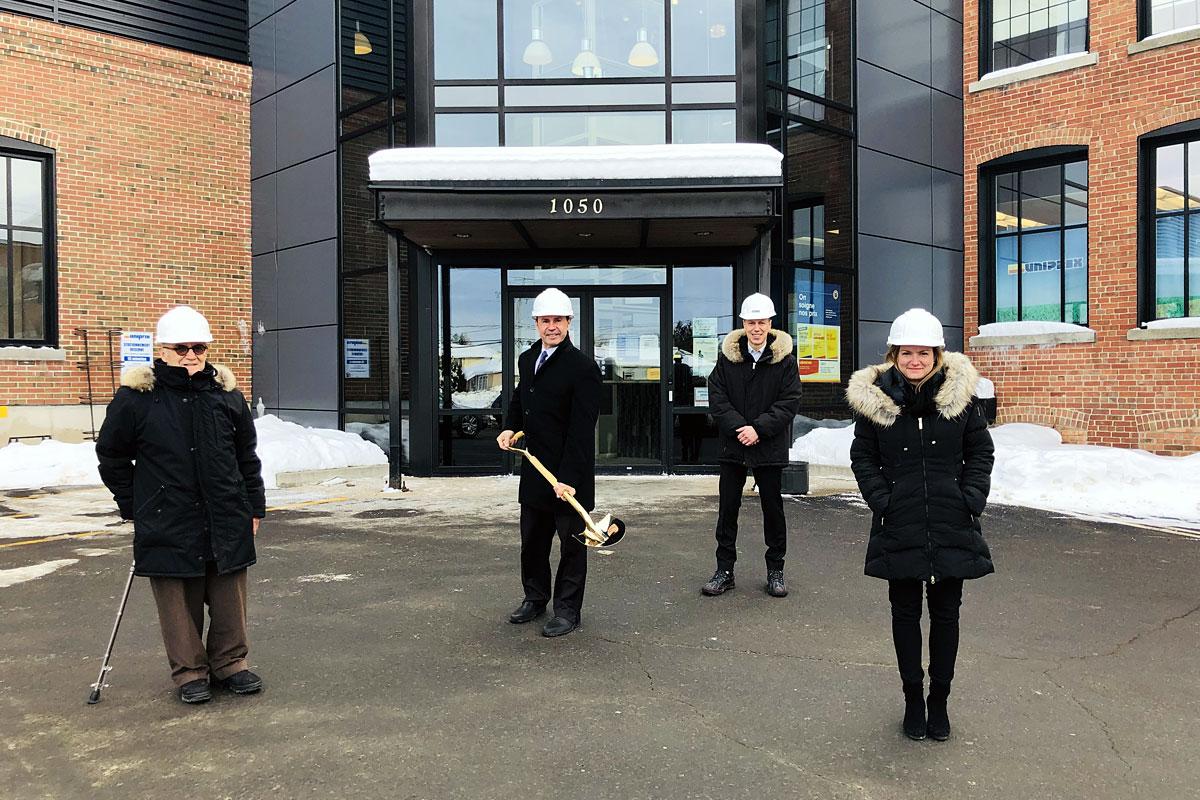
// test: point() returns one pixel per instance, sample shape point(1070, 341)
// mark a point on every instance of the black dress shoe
point(775, 585)
point(196, 691)
point(244, 682)
point(526, 612)
point(719, 583)
point(559, 626)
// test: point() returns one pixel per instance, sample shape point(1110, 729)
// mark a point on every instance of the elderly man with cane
point(556, 403)
point(177, 450)
point(753, 394)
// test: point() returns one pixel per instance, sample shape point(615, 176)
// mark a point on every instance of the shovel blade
point(605, 533)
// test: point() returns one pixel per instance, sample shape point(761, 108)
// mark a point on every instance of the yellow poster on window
point(819, 353)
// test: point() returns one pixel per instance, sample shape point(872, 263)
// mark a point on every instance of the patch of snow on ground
point(11, 577)
point(325, 577)
point(48, 463)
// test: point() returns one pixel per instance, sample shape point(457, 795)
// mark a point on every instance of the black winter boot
point(939, 719)
point(914, 711)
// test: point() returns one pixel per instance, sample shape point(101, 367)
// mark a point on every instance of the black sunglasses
point(182, 349)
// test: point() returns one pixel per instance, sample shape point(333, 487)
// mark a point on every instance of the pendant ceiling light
point(642, 54)
point(537, 52)
point(362, 45)
point(586, 65)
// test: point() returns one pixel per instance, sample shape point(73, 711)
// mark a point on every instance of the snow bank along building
point(124, 189)
point(809, 149)
point(1083, 207)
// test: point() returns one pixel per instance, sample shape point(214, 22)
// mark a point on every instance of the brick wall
point(1114, 391)
point(152, 155)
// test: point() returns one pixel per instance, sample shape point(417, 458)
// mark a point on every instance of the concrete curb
point(370, 473)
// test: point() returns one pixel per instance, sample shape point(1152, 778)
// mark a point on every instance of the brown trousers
point(181, 604)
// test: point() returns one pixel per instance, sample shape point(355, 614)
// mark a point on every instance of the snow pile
point(1174, 322)
point(48, 463)
point(1035, 469)
point(1028, 327)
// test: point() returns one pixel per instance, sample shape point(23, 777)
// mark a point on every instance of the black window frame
point(15, 148)
point(1144, 19)
point(985, 35)
point(1148, 144)
point(986, 234)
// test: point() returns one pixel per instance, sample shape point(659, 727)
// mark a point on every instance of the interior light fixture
point(586, 65)
point(362, 45)
point(642, 54)
point(537, 52)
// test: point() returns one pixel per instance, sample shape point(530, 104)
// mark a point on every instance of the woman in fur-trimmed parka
point(922, 456)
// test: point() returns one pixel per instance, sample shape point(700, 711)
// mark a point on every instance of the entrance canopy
point(526, 198)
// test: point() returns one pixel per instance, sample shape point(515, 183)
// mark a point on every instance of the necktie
point(541, 360)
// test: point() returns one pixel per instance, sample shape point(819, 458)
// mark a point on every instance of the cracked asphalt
point(378, 625)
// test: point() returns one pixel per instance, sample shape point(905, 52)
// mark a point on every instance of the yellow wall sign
point(819, 353)
point(3, 412)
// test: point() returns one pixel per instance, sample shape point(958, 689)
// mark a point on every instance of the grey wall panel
point(308, 285)
point(951, 8)
point(948, 287)
point(893, 198)
point(261, 9)
point(947, 58)
point(262, 58)
point(310, 419)
point(263, 234)
point(892, 277)
point(265, 292)
point(307, 207)
point(894, 114)
point(947, 209)
point(305, 38)
point(263, 139)
point(303, 133)
point(894, 34)
point(954, 338)
point(265, 370)
point(947, 132)
point(308, 368)
point(872, 342)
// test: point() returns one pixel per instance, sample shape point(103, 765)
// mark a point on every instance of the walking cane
point(99, 684)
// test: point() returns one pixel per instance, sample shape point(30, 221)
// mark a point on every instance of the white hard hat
point(757, 306)
point(916, 327)
point(552, 303)
point(183, 324)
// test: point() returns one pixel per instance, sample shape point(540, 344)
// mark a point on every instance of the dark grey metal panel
point(308, 367)
point(260, 10)
point(951, 8)
point(946, 68)
point(894, 114)
point(305, 132)
point(948, 287)
point(263, 137)
point(954, 338)
point(894, 34)
point(872, 341)
point(892, 277)
point(263, 234)
point(893, 198)
point(947, 132)
point(262, 57)
point(305, 40)
point(308, 202)
point(310, 419)
point(308, 285)
point(947, 209)
point(265, 370)
point(266, 298)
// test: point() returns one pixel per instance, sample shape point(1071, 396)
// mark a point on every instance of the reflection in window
point(808, 233)
point(365, 319)
point(819, 173)
point(634, 127)
point(702, 304)
point(1039, 243)
point(703, 37)
point(1169, 15)
point(587, 276)
point(583, 38)
point(471, 355)
point(466, 130)
point(24, 274)
point(364, 244)
point(1024, 31)
point(464, 39)
point(807, 51)
point(812, 38)
point(1176, 230)
point(365, 49)
point(701, 127)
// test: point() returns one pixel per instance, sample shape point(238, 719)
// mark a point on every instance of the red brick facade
point(1113, 391)
point(152, 160)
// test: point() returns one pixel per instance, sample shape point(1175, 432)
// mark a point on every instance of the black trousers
point(944, 598)
point(733, 480)
point(538, 527)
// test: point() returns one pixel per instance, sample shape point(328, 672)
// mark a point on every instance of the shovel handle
point(589, 526)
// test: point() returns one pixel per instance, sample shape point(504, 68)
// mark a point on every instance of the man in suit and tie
point(556, 403)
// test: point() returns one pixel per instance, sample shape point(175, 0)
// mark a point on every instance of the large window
point(1036, 241)
point(1171, 235)
point(1161, 16)
point(26, 246)
point(1017, 32)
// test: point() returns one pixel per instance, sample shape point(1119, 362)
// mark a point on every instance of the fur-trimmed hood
point(781, 345)
point(869, 400)
point(142, 378)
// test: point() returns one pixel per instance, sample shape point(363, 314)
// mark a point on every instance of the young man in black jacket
point(556, 403)
point(753, 393)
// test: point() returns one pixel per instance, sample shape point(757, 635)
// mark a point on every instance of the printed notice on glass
point(704, 327)
point(648, 350)
point(704, 354)
point(818, 331)
point(702, 396)
point(137, 349)
point(356, 356)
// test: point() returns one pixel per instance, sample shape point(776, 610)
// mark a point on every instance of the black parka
point(923, 461)
point(557, 408)
point(765, 396)
point(178, 454)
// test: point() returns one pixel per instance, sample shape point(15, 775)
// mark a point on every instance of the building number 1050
point(569, 205)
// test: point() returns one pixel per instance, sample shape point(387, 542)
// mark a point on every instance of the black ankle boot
point(914, 711)
point(939, 719)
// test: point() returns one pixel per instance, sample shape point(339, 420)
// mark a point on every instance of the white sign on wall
point(356, 356)
point(137, 349)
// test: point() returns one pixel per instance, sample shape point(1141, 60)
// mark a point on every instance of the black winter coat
point(178, 454)
point(557, 408)
point(923, 461)
point(765, 395)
